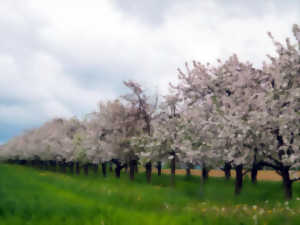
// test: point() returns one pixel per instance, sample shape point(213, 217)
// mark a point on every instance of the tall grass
point(31, 196)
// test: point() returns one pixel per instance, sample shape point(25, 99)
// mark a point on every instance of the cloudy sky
point(59, 58)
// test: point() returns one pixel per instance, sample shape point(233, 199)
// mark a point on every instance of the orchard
point(228, 115)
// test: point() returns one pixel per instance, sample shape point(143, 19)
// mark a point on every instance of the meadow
point(32, 196)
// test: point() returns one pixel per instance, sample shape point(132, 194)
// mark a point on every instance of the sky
point(59, 58)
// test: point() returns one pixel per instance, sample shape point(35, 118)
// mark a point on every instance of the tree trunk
point(118, 167)
point(53, 165)
point(46, 164)
point(95, 168)
point(36, 163)
point(86, 169)
point(33, 163)
point(41, 164)
point(22, 162)
point(103, 165)
point(188, 172)
point(132, 164)
point(118, 171)
point(71, 167)
point(110, 167)
point(158, 166)
point(148, 171)
point(287, 183)
point(189, 166)
point(62, 166)
point(238, 179)
point(77, 168)
point(126, 167)
point(254, 168)
point(173, 170)
point(204, 173)
point(227, 170)
point(254, 171)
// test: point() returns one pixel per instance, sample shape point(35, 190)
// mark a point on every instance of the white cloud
point(59, 58)
point(43, 89)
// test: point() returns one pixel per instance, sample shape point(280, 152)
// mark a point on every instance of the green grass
point(32, 196)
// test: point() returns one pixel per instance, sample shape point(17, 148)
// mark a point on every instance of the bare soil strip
point(262, 175)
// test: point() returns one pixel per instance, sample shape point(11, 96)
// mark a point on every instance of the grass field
point(31, 196)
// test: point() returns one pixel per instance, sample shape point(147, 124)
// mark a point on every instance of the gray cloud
point(149, 12)
point(154, 12)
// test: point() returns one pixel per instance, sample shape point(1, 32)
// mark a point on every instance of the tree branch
point(275, 167)
point(275, 160)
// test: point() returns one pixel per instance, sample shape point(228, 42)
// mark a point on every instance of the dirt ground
point(262, 175)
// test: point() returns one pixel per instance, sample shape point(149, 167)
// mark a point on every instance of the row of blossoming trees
point(229, 116)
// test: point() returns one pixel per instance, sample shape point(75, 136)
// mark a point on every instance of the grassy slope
point(30, 196)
